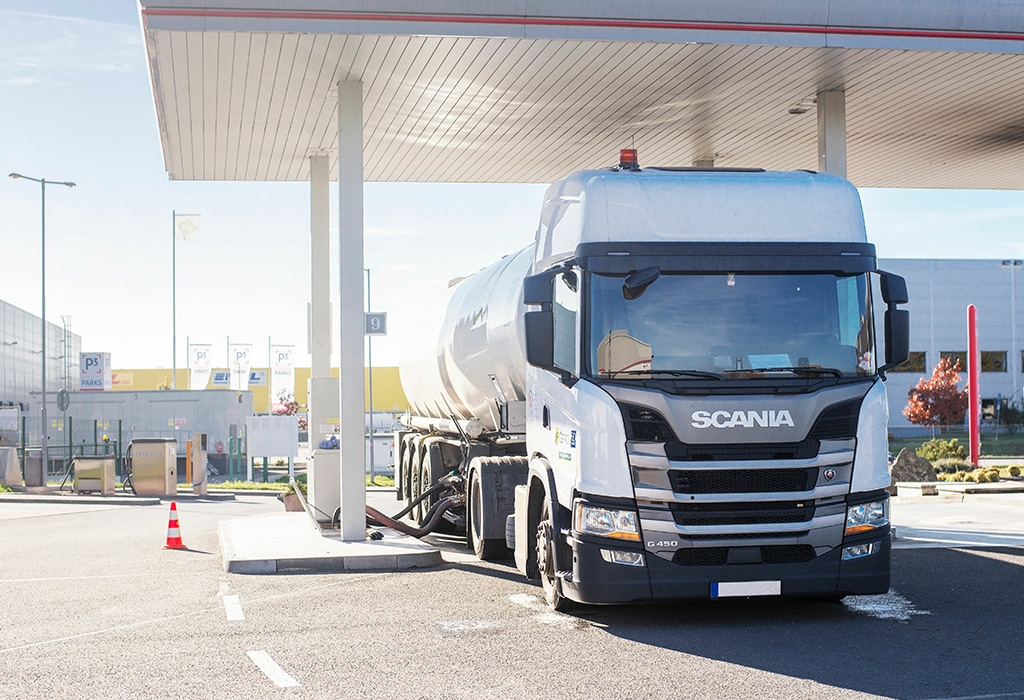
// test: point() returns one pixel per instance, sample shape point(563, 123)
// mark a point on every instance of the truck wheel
point(486, 550)
point(546, 543)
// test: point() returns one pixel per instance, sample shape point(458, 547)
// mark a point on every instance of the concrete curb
point(20, 497)
point(290, 543)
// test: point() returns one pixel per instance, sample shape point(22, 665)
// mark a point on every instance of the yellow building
point(387, 389)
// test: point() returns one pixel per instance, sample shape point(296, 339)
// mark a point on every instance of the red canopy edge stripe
point(586, 22)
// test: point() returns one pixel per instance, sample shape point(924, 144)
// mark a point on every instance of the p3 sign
point(95, 369)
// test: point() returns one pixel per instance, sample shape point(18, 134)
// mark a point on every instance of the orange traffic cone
point(173, 533)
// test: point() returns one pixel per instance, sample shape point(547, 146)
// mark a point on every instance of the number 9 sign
point(376, 323)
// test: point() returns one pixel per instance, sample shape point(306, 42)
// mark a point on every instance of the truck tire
point(412, 477)
point(485, 549)
point(403, 472)
point(546, 543)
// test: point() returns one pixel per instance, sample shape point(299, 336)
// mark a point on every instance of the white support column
point(323, 470)
point(832, 132)
point(350, 276)
point(320, 265)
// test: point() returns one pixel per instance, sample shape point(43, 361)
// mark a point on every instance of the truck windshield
point(725, 326)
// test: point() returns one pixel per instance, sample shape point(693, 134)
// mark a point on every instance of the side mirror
point(540, 337)
point(894, 288)
point(896, 324)
point(537, 289)
point(897, 338)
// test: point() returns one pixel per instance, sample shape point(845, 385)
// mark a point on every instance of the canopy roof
point(529, 91)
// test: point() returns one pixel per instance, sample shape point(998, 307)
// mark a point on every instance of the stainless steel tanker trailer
point(675, 393)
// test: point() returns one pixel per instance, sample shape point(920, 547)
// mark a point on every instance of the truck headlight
point(605, 522)
point(867, 516)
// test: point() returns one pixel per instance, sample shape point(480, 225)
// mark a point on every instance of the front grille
point(702, 556)
point(770, 554)
point(645, 425)
point(787, 553)
point(743, 480)
point(772, 512)
point(744, 536)
point(683, 452)
point(837, 422)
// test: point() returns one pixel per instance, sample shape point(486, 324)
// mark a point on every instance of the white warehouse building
point(940, 291)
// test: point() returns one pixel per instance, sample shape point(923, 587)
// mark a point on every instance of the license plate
point(733, 589)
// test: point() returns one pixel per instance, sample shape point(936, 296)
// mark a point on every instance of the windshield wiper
point(669, 372)
point(796, 370)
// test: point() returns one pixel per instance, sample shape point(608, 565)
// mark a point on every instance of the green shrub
point(936, 449)
point(951, 465)
point(1014, 470)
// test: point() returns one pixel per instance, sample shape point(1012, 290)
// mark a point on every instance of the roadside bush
point(936, 449)
point(1014, 470)
point(951, 465)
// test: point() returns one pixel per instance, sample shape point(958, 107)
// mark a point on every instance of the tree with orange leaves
point(938, 401)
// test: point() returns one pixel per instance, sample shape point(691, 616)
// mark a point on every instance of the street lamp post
point(43, 182)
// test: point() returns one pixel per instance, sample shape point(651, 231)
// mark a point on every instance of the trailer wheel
point(546, 543)
point(489, 549)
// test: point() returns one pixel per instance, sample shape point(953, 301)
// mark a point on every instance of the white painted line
point(233, 608)
point(1018, 694)
point(274, 672)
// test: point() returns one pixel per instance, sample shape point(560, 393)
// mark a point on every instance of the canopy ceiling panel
point(253, 105)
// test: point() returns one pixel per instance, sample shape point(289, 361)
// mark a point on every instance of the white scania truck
point(675, 393)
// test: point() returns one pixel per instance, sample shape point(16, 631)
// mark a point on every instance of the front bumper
point(597, 581)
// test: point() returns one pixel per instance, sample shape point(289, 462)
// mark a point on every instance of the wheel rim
point(545, 561)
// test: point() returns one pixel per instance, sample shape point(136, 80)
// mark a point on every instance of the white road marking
point(233, 608)
point(271, 669)
point(888, 606)
point(191, 613)
point(224, 588)
point(1018, 694)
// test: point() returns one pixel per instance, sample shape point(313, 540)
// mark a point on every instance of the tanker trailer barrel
point(473, 351)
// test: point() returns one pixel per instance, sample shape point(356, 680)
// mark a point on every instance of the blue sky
point(75, 104)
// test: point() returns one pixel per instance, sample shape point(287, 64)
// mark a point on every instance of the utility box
point(10, 467)
point(34, 474)
point(94, 474)
point(197, 458)
point(154, 464)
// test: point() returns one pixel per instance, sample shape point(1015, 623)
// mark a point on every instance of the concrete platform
point(290, 542)
point(1006, 492)
point(55, 496)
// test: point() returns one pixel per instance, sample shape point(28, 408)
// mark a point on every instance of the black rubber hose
point(439, 486)
point(434, 521)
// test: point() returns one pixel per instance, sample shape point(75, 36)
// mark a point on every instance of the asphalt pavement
point(93, 606)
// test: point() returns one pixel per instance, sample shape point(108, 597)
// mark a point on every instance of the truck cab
point(705, 407)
